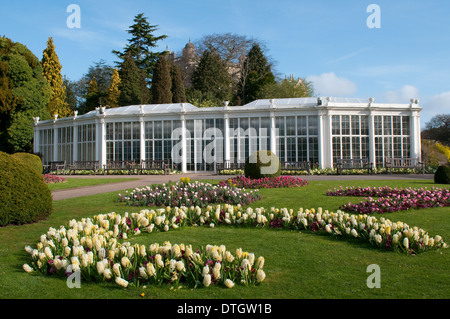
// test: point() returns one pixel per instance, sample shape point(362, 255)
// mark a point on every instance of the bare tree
point(230, 46)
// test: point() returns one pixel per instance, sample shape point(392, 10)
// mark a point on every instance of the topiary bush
point(442, 175)
point(24, 197)
point(31, 160)
point(262, 164)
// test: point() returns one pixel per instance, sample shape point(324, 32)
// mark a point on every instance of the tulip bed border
point(186, 193)
point(392, 199)
point(93, 245)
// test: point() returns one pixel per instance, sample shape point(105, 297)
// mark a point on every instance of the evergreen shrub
point(442, 175)
point(24, 197)
point(255, 163)
point(31, 160)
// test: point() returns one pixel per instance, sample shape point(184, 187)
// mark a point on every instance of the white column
point(321, 133)
point(75, 142)
point(226, 138)
point(273, 134)
point(101, 135)
point(328, 141)
point(372, 157)
point(142, 138)
point(36, 133)
point(415, 134)
point(55, 141)
point(183, 145)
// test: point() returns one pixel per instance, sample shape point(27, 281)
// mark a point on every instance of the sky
point(389, 50)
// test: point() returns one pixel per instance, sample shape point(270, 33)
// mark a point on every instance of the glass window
point(405, 125)
point(364, 125)
point(346, 147)
point(336, 125)
point(302, 144)
point(397, 125)
point(127, 131)
point(157, 129)
point(290, 126)
point(136, 131)
point(336, 148)
point(387, 125)
point(345, 122)
point(312, 125)
point(356, 147)
point(378, 123)
point(355, 125)
point(301, 125)
point(148, 130)
point(279, 124)
point(313, 150)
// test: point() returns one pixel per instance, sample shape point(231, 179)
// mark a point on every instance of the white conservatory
point(318, 130)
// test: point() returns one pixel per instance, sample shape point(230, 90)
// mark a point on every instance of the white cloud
point(437, 104)
point(330, 84)
point(431, 106)
point(403, 95)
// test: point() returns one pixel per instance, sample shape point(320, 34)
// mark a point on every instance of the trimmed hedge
point(31, 160)
point(24, 197)
point(442, 175)
point(255, 163)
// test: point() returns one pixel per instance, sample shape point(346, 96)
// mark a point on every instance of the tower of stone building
point(189, 51)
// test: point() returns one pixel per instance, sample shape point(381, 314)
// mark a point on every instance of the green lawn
point(298, 265)
point(73, 182)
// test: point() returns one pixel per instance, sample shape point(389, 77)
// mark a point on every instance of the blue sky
point(327, 42)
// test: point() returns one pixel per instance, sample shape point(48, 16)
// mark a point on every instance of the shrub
point(442, 175)
point(260, 161)
point(24, 197)
point(31, 160)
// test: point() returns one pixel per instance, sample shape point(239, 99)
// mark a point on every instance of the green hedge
point(24, 197)
point(442, 175)
point(32, 160)
point(258, 160)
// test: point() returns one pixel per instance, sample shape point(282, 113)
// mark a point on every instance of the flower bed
point(51, 179)
point(93, 246)
point(429, 169)
point(188, 194)
point(267, 182)
point(392, 199)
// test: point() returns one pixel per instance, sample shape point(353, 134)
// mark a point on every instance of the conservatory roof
point(287, 103)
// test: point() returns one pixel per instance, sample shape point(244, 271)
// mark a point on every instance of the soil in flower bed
point(188, 194)
point(392, 199)
point(267, 182)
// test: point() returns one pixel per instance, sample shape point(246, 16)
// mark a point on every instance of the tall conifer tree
point(178, 89)
point(133, 87)
point(112, 98)
point(256, 73)
point(92, 97)
point(212, 77)
point(162, 82)
point(141, 44)
point(51, 70)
